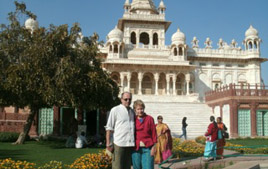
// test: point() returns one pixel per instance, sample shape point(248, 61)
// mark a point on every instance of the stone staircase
point(173, 112)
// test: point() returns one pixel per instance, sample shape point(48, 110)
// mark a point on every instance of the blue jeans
point(142, 158)
point(183, 133)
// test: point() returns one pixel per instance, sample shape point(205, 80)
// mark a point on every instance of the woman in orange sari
point(164, 141)
point(221, 142)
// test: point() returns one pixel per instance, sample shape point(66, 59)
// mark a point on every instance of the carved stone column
point(253, 109)
point(174, 84)
point(156, 79)
point(140, 76)
point(137, 39)
point(234, 118)
point(221, 112)
point(122, 81)
point(187, 78)
point(151, 39)
point(128, 80)
point(168, 81)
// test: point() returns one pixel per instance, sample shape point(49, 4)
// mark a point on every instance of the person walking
point(164, 141)
point(211, 142)
point(121, 124)
point(221, 141)
point(184, 125)
point(145, 136)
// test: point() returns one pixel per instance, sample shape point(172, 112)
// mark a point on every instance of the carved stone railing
point(236, 90)
point(143, 16)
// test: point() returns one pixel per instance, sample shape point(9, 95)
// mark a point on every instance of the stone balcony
point(234, 91)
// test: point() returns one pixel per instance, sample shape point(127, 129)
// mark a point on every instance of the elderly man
point(121, 124)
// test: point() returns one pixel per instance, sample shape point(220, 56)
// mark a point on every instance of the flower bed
point(96, 161)
point(9, 163)
point(188, 148)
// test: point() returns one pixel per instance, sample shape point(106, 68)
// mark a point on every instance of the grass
point(249, 141)
point(43, 152)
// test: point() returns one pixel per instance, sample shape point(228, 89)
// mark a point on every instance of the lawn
point(43, 152)
point(249, 141)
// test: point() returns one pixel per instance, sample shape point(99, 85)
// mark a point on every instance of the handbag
point(225, 134)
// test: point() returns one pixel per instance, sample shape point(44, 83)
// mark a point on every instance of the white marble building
point(172, 79)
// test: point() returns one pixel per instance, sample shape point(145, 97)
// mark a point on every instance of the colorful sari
point(164, 143)
point(221, 142)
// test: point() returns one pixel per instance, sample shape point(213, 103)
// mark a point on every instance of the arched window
point(121, 49)
point(133, 38)
point(110, 48)
point(250, 45)
point(155, 39)
point(255, 45)
point(115, 48)
point(180, 51)
point(175, 52)
point(144, 38)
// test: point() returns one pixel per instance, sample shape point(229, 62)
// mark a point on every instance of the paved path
point(239, 162)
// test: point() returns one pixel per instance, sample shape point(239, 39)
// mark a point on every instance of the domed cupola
point(252, 40)
point(116, 35)
point(162, 7)
point(251, 33)
point(31, 24)
point(178, 46)
point(178, 38)
point(115, 43)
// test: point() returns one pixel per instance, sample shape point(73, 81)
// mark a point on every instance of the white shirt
point(80, 141)
point(121, 122)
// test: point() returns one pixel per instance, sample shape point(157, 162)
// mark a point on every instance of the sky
point(226, 19)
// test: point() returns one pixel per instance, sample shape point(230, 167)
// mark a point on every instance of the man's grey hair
point(125, 93)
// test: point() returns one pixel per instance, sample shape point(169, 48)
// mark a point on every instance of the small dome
point(178, 37)
point(115, 35)
point(251, 32)
point(162, 5)
point(127, 2)
point(31, 24)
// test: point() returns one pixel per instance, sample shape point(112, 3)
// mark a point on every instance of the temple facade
point(173, 79)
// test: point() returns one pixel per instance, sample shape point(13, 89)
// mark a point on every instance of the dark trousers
point(122, 157)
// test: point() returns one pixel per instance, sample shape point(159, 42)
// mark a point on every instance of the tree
point(50, 67)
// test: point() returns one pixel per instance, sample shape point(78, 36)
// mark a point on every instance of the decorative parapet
point(152, 17)
point(232, 90)
point(233, 53)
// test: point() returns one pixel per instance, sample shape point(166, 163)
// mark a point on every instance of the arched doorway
point(180, 84)
point(134, 83)
point(147, 84)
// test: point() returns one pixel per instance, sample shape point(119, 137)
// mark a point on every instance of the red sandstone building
point(248, 108)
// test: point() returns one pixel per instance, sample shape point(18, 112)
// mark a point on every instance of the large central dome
point(147, 5)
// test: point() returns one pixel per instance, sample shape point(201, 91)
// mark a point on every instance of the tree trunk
point(27, 127)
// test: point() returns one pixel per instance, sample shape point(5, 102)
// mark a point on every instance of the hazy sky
point(226, 19)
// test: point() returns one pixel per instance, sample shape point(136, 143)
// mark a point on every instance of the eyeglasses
point(126, 99)
point(160, 118)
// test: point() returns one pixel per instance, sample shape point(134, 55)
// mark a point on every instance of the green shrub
point(8, 136)
point(201, 140)
point(11, 137)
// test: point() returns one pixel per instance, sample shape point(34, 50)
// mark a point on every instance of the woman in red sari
point(221, 142)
